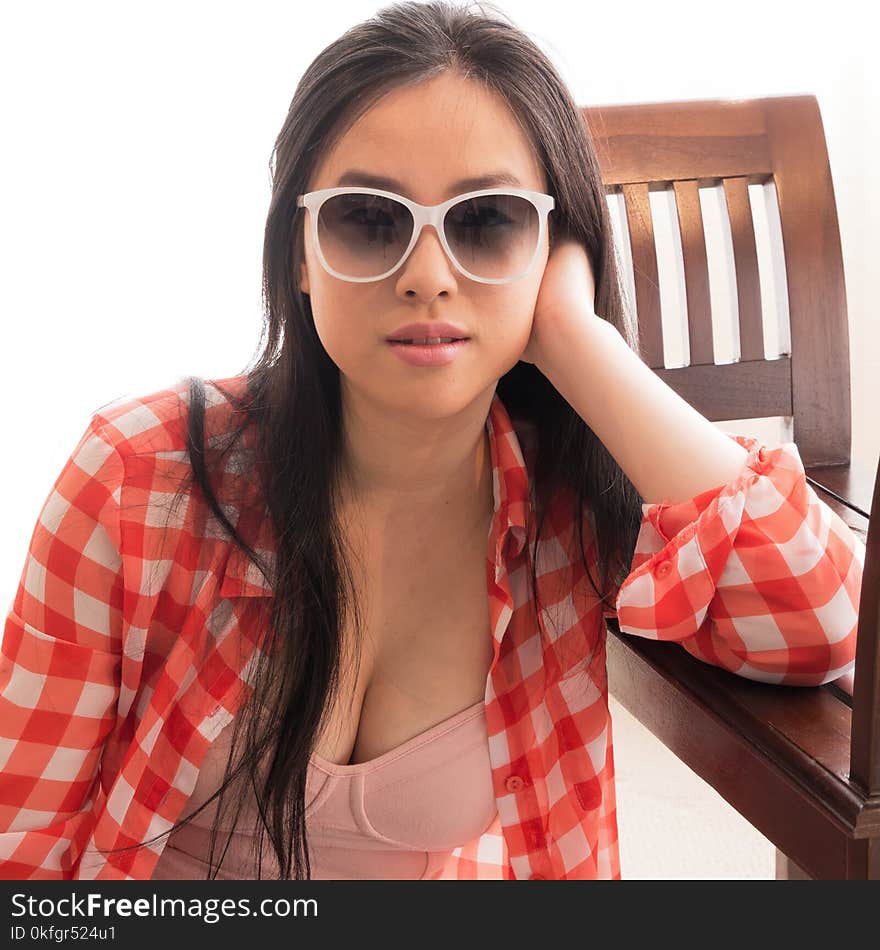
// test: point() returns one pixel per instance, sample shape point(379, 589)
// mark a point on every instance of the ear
point(304, 278)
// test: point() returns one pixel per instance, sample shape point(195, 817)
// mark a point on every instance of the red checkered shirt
point(126, 643)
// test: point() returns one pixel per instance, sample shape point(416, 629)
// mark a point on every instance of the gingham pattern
point(126, 645)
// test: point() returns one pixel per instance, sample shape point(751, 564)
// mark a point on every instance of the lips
point(431, 355)
point(431, 341)
point(427, 331)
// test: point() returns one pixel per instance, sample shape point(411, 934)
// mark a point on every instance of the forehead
point(432, 134)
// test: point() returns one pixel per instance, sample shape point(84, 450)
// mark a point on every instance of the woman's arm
point(667, 449)
point(60, 666)
point(737, 559)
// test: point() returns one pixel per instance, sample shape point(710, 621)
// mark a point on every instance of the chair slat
point(696, 272)
point(640, 226)
point(745, 255)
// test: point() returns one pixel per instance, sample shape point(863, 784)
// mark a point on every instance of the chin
point(432, 404)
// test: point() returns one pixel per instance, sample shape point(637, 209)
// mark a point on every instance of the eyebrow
point(355, 176)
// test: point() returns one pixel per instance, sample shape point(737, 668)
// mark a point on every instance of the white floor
point(672, 825)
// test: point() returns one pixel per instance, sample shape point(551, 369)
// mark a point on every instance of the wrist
point(569, 341)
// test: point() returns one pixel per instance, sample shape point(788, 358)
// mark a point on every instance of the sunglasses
point(492, 236)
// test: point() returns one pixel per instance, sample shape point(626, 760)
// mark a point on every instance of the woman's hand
point(567, 291)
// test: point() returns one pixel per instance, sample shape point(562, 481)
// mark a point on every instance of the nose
point(427, 271)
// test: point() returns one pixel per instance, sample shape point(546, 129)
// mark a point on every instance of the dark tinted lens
point(363, 235)
point(493, 235)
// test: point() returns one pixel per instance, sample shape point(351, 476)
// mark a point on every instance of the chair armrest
point(847, 487)
point(778, 754)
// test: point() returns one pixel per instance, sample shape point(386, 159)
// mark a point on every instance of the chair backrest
point(731, 144)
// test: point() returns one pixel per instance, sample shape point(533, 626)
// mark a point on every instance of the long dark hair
point(292, 396)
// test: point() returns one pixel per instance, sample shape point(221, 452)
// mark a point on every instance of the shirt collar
point(510, 488)
point(510, 483)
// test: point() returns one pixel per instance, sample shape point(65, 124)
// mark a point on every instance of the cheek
point(341, 341)
point(334, 314)
point(508, 320)
point(504, 334)
point(349, 327)
point(514, 322)
point(335, 306)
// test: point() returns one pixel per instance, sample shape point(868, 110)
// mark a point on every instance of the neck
point(412, 465)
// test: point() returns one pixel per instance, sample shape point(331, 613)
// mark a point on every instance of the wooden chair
point(801, 764)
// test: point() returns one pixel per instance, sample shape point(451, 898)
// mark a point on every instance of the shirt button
point(514, 783)
point(662, 569)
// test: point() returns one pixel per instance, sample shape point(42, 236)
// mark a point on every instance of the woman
point(352, 590)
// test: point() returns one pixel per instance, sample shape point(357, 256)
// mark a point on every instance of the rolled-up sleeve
point(758, 576)
point(59, 666)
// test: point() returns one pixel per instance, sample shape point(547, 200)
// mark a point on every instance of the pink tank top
point(394, 817)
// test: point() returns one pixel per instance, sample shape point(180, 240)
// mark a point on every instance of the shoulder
point(165, 521)
point(156, 422)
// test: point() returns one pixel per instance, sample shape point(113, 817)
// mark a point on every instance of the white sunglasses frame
point(427, 214)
